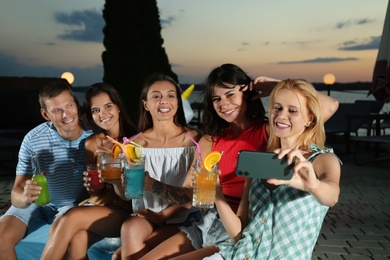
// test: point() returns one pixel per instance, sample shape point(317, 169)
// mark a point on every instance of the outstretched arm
point(233, 223)
point(265, 85)
point(329, 105)
point(321, 177)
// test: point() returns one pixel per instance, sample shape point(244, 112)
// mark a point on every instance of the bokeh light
point(329, 79)
point(68, 76)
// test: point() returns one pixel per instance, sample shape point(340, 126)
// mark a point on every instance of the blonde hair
point(315, 132)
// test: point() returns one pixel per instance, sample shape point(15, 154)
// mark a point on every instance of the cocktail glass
point(110, 168)
point(204, 186)
point(134, 178)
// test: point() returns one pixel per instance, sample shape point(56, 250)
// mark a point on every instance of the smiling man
point(59, 144)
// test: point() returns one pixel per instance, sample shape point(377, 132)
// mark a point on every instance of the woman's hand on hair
point(263, 86)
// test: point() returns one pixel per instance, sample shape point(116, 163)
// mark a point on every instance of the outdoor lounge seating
point(376, 108)
point(337, 124)
point(32, 246)
point(377, 140)
point(351, 117)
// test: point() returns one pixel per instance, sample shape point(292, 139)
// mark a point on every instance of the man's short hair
point(52, 90)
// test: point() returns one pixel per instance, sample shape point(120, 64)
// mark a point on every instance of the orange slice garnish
point(116, 150)
point(211, 160)
point(133, 152)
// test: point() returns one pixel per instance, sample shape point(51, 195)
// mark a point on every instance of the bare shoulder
point(327, 165)
point(194, 133)
point(328, 158)
point(206, 142)
point(142, 140)
point(91, 140)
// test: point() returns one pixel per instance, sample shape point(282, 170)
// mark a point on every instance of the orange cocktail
point(110, 168)
point(204, 187)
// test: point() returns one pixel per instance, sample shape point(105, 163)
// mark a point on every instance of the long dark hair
point(127, 127)
point(145, 119)
point(220, 76)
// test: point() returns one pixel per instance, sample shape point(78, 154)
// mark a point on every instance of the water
point(349, 96)
point(344, 96)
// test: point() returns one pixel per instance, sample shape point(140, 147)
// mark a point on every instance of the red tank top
point(253, 138)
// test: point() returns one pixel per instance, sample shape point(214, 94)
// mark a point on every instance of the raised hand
point(263, 86)
point(304, 177)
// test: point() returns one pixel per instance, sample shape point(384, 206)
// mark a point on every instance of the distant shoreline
point(343, 92)
point(319, 86)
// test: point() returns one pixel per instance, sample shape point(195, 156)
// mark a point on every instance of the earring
point(307, 124)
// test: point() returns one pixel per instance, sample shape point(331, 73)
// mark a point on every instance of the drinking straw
point(126, 140)
point(122, 146)
point(197, 146)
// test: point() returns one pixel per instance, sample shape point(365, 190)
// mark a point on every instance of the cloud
point(84, 26)
point(176, 65)
point(49, 44)
point(342, 25)
point(370, 43)
point(317, 60)
point(300, 44)
point(166, 22)
point(83, 76)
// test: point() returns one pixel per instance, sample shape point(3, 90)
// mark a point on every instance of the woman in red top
point(232, 122)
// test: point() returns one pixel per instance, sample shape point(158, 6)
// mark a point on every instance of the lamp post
point(329, 80)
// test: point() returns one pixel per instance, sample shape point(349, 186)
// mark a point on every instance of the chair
point(338, 123)
point(385, 124)
point(376, 108)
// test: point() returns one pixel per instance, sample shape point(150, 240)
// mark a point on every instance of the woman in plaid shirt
point(281, 219)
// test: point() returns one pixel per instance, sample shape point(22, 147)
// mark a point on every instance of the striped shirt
point(61, 160)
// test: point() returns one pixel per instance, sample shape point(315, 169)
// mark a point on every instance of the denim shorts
point(216, 256)
point(35, 217)
point(209, 231)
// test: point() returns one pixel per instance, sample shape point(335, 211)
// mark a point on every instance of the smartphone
point(263, 165)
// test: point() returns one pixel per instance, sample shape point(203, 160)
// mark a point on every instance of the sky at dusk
point(281, 39)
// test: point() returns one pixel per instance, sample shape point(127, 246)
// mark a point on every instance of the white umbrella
point(381, 77)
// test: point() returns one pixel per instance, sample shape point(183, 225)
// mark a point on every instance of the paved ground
point(357, 228)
